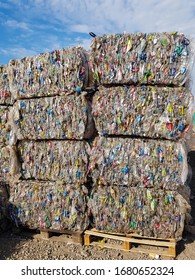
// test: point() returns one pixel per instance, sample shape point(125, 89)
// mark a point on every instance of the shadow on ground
point(11, 240)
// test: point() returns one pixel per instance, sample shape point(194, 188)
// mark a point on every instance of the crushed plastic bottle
point(53, 205)
point(144, 111)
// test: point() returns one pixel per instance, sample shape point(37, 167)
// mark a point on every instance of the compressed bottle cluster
point(6, 161)
point(143, 100)
point(6, 97)
point(59, 72)
point(59, 117)
point(153, 58)
point(44, 132)
point(4, 125)
point(144, 111)
point(55, 205)
point(97, 139)
point(138, 163)
point(145, 211)
point(65, 161)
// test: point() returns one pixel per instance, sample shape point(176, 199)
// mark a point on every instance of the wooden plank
point(167, 247)
point(107, 245)
point(64, 231)
point(130, 239)
point(132, 235)
point(137, 250)
point(87, 239)
point(45, 234)
point(107, 232)
point(77, 238)
point(127, 245)
point(149, 237)
point(150, 242)
point(54, 235)
point(172, 250)
point(63, 236)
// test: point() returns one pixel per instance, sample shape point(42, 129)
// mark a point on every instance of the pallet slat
point(167, 246)
point(57, 235)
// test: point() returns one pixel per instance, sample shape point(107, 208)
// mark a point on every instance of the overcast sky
point(29, 27)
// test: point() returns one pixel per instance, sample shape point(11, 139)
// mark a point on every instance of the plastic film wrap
point(4, 125)
point(161, 164)
point(60, 72)
point(143, 211)
point(49, 205)
point(153, 58)
point(151, 111)
point(54, 160)
point(6, 98)
point(60, 117)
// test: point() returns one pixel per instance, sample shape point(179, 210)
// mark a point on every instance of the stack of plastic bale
point(51, 121)
point(143, 112)
point(6, 102)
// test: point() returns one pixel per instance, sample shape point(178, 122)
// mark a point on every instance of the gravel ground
point(15, 247)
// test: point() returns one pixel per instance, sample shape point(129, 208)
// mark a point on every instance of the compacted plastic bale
point(60, 72)
point(9, 165)
point(4, 163)
point(6, 97)
point(149, 111)
point(153, 58)
point(5, 126)
point(60, 117)
point(54, 160)
point(146, 212)
point(161, 164)
point(53, 205)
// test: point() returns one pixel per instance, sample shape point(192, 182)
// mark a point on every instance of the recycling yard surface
point(14, 247)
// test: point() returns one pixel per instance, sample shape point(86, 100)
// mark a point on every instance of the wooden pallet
point(132, 243)
point(67, 236)
point(61, 235)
